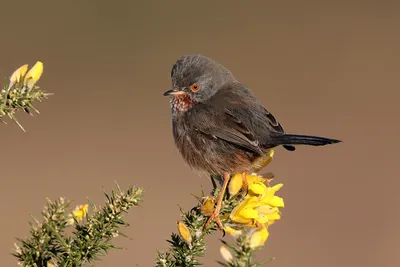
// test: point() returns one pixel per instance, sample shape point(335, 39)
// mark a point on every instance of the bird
point(219, 126)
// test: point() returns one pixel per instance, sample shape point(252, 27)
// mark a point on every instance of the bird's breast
point(206, 153)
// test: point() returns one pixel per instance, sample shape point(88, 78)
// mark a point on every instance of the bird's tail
point(288, 140)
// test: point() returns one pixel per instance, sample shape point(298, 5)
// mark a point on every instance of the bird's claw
point(215, 215)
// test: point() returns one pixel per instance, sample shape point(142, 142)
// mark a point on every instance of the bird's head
point(195, 79)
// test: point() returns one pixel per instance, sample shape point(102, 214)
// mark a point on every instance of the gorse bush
point(21, 91)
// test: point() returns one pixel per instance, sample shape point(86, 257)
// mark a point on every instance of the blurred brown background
point(329, 69)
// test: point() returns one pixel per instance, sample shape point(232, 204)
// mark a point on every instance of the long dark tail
point(288, 140)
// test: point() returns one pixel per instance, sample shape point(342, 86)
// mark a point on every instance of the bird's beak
point(175, 91)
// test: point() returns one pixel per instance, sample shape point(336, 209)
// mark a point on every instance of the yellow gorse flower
point(254, 178)
point(29, 77)
point(184, 232)
point(18, 74)
point(259, 208)
point(269, 197)
point(208, 206)
point(232, 231)
point(259, 237)
point(226, 254)
point(79, 213)
point(235, 184)
point(257, 188)
point(33, 75)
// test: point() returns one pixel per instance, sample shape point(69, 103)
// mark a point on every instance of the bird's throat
point(181, 103)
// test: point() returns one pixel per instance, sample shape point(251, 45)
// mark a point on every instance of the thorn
point(37, 111)
point(20, 126)
point(196, 197)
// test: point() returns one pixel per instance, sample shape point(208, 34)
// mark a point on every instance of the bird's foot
point(215, 215)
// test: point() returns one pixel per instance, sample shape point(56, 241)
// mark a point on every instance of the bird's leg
point(217, 209)
point(244, 178)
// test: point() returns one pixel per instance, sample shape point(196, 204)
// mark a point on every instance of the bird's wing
point(225, 126)
point(242, 107)
point(272, 122)
point(237, 139)
point(276, 126)
point(236, 132)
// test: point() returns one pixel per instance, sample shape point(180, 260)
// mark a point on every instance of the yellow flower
point(270, 199)
point(33, 74)
point(235, 184)
point(244, 213)
point(257, 188)
point(253, 178)
point(184, 232)
point(260, 208)
point(208, 206)
point(247, 213)
point(259, 237)
point(226, 254)
point(79, 213)
point(18, 74)
point(267, 214)
point(232, 231)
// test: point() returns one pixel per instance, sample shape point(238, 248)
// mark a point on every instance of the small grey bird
point(219, 126)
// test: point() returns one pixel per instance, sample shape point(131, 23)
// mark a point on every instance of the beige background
point(327, 69)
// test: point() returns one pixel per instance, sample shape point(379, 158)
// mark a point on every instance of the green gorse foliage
point(51, 244)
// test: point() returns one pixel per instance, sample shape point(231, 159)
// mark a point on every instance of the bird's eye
point(195, 87)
